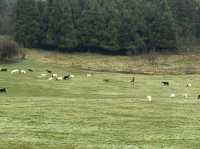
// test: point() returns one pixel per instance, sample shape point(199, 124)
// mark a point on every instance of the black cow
point(198, 97)
point(31, 70)
point(67, 77)
point(49, 71)
point(3, 90)
point(164, 83)
point(4, 69)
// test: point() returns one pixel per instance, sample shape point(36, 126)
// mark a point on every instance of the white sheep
point(89, 75)
point(50, 79)
point(189, 85)
point(185, 95)
point(43, 75)
point(149, 98)
point(14, 71)
point(72, 76)
point(59, 78)
point(55, 75)
point(172, 95)
point(23, 71)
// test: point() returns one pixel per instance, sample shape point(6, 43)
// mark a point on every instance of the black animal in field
point(198, 97)
point(3, 90)
point(164, 83)
point(31, 70)
point(49, 71)
point(67, 77)
point(3, 69)
point(133, 81)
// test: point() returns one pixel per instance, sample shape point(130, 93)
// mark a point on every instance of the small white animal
point(72, 76)
point(50, 79)
point(15, 71)
point(172, 95)
point(55, 75)
point(23, 71)
point(189, 85)
point(185, 95)
point(43, 75)
point(59, 78)
point(149, 98)
point(89, 75)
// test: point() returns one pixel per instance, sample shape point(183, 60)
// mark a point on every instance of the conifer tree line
point(133, 26)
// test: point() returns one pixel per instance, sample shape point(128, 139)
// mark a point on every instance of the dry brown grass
point(182, 63)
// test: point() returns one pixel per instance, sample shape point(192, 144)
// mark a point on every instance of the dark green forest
point(124, 26)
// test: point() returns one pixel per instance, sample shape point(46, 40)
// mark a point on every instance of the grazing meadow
point(89, 112)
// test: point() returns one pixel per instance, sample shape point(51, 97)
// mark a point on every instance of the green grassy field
point(88, 113)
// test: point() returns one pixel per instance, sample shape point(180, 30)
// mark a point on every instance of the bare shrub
point(10, 50)
point(152, 59)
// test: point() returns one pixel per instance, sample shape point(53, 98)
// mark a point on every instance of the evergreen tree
point(150, 25)
point(27, 24)
point(137, 26)
point(68, 35)
point(184, 13)
point(1, 13)
point(166, 36)
point(54, 22)
point(130, 35)
point(110, 25)
point(3, 6)
point(2, 2)
point(43, 23)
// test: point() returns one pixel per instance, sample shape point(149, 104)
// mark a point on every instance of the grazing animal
point(23, 71)
point(3, 90)
point(31, 70)
point(72, 76)
point(133, 81)
point(49, 71)
point(149, 98)
point(59, 78)
point(55, 75)
point(67, 77)
point(89, 75)
point(172, 95)
point(189, 85)
point(164, 83)
point(50, 79)
point(185, 95)
point(14, 71)
point(198, 97)
point(44, 74)
point(4, 69)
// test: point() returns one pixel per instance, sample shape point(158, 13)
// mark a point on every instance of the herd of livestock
point(49, 73)
point(55, 76)
point(167, 84)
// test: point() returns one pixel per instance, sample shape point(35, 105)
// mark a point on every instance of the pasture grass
point(88, 113)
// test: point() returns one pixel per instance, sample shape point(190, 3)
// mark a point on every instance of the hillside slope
point(182, 63)
point(91, 113)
